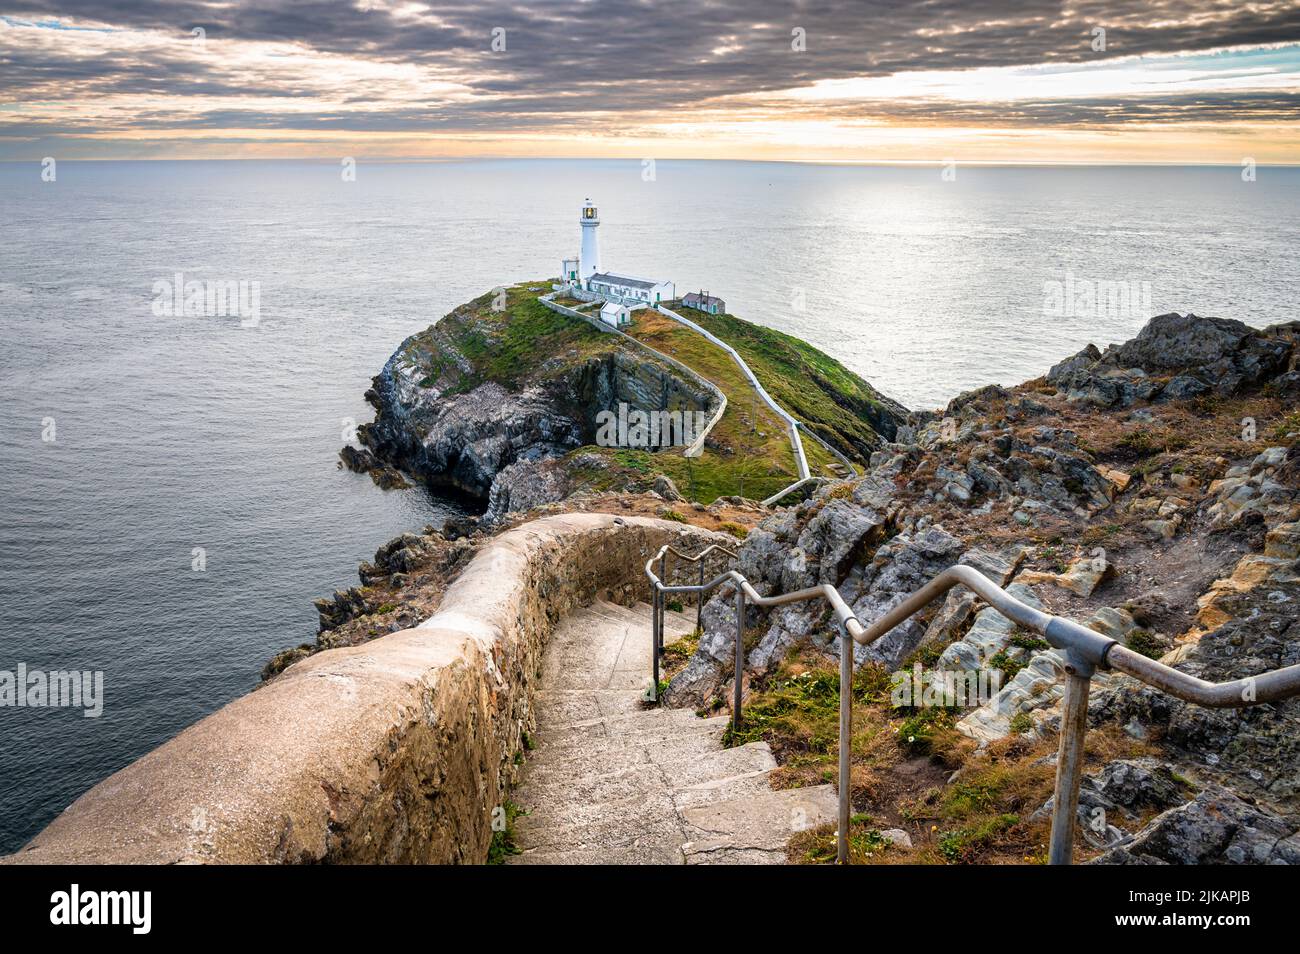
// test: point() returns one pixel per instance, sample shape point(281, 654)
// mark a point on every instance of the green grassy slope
point(515, 346)
point(829, 398)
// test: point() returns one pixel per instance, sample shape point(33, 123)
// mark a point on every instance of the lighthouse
point(589, 258)
point(582, 277)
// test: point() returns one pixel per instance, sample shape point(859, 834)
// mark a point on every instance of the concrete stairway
point(615, 781)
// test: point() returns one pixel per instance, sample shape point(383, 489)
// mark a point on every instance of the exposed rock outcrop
point(1176, 357)
point(1255, 750)
point(465, 440)
point(1215, 828)
point(526, 484)
point(1114, 515)
point(401, 588)
point(364, 462)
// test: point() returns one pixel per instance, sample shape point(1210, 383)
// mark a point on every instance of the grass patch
point(1095, 535)
point(679, 651)
point(866, 844)
point(508, 351)
point(1010, 667)
point(924, 727)
point(504, 345)
point(818, 390)
point(1145, 642)
point(704, 479)
point(1290, 424)
point(797, 713)
point(503, 843)
point(1143, 442)
point(966, 843)
point(749, 428)
point(1028, 641)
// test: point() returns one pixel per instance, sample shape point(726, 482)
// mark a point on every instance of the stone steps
point(612, 781)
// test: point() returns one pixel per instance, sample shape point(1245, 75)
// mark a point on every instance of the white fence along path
point(696, 447)
point(793, 426)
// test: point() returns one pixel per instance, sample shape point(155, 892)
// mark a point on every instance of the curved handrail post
point(1069, 760)
point(740, 657)
point(846, 745)
point(699, 600)
point(658, 600)
point(655, 602)
point(663, 602)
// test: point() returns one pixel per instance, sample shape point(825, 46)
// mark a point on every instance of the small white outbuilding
point(615, 313)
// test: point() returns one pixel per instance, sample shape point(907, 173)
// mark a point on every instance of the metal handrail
point(1085, 650)
point(657, 601)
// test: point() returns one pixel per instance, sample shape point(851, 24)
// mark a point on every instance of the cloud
point(119, 69)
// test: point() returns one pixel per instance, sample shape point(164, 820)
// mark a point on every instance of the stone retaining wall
point(395, 751)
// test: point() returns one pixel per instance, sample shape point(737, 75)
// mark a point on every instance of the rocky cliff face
point(1151, 491)
point(465, 440)
point(455, 411)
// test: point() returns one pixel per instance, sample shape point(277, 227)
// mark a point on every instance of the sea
point(170, 497)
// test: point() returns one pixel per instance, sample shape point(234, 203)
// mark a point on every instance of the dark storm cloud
point(564, 60)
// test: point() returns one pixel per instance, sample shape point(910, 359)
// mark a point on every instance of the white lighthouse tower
point(589, 258)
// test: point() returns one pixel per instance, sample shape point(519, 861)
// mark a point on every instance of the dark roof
point(694, 298)
point(609, 278)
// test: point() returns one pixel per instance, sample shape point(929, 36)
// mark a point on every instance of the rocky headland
point(477, 401)
point(1150, 490)
point(500, 400)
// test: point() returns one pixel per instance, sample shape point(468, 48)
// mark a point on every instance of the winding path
point(612, 781)
point(803, 476)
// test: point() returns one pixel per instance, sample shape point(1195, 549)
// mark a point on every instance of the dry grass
point(749, 426)
point(980, 816)
point(911, 770)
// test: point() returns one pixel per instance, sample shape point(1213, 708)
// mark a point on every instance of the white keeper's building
point(584, 277)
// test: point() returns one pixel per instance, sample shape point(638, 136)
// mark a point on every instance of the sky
point(840, 81)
